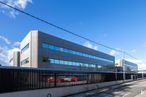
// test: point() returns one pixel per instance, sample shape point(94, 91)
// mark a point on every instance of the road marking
point(126, 94)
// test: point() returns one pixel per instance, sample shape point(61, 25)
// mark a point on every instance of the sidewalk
point(142, 94)
point(105, 89)
point(96, 91)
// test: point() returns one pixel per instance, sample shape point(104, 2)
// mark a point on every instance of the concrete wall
point(25, 54)
point(35, 53)
point(16, 59)
point(31, 53)
point(58, 92)
point(34, 49)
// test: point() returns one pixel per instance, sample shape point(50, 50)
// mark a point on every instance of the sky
point(120, 24)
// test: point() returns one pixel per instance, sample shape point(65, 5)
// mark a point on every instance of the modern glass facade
point(109, 65)
point(47, 51)
point(129, 66)
point(78, 64)
point(53, 47)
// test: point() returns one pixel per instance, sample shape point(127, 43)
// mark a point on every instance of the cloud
point(116, 61)
point(7, 51)
point(3, 56)
point(5, 39)
point(8, 42)
point(6, 54)
point(10, 52)
point(133, 51)
point(114, 53)
point(89, 45)
point(20, 4)
point(17, 43)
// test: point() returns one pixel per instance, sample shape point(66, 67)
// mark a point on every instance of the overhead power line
point(63, 29)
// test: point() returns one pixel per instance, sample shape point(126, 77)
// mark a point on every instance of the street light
point(123, 63)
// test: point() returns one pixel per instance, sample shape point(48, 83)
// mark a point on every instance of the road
point(130, 89)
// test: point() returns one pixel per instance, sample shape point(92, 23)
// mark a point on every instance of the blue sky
point(120, 24)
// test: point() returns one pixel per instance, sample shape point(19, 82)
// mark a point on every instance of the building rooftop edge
point(69, 41)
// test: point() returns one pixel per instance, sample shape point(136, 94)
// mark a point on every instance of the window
point(25, 61)
point(86, 65)
point(25, 48)
point(45, 45)
point(61, 62)
point(45, 59)
point(98, 66)
point(56, 48)
point(64, 62)
point(53, 47)
point(11, 60)
point(51, 60)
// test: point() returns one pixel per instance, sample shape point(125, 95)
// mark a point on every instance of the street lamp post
point(124, 70)
point(142, 74)
point(116, 73)
point(123, 63)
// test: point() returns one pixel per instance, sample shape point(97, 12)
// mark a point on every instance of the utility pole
point(123, 63)
point(142, 74)
point(116, 73)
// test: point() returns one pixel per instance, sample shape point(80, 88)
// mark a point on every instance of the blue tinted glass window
point(62, 49)
point(56, 62)
point(60, 62)
point(63, 62)
point(45, 45)
point(51, 60)
point(58, 48)
point(52, 47)
point(66, 62)
point(65, 50)
point(86, 65)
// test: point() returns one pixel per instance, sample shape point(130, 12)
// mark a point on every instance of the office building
point(41, 50)
point(127, 66)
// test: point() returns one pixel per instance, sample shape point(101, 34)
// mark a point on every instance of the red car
point(52, 79)
point(63, 79)
point(69, 78)
point(74, 78)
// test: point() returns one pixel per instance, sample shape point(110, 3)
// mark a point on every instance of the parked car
point(69, 78)
point(74, 78)
point(52, 79)
point(63, 79)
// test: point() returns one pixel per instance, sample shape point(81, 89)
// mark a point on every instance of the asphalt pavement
point(129, 89)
